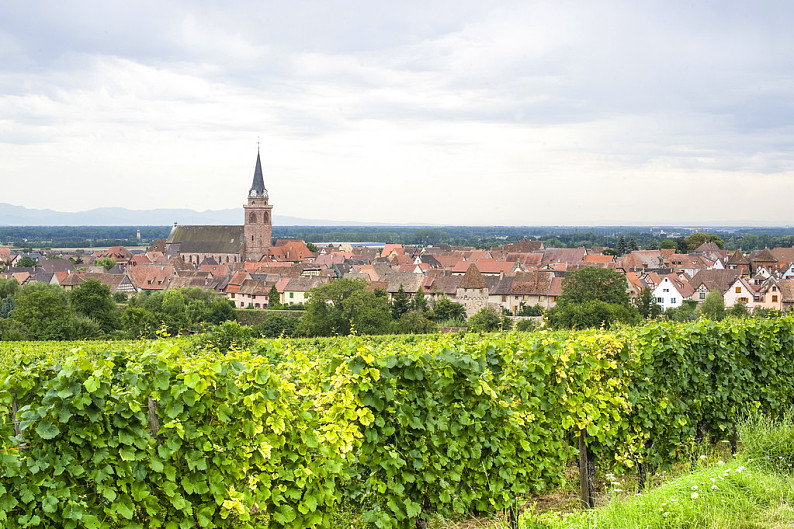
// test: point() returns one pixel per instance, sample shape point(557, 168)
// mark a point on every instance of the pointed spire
point(473, 279)
point(258, 186)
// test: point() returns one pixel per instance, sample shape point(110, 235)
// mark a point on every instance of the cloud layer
point(455, 113)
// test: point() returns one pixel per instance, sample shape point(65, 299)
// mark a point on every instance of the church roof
point(207, 239)
point(258, 186)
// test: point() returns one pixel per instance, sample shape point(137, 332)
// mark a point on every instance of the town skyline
point(457, 113)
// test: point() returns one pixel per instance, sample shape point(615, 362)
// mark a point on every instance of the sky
point(440, 112)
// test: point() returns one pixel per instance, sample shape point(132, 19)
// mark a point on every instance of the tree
point(277, 326)
point(713, 307)
point(336, 307)
point(139, 322)
point(593, 283)
point(414, 322)
point(593, 313)
point(420, 301)
point(93, 300)
point(632, 245)
point(273, 298)
point(668, 244)
point(485, 320)
point(10, 331)
point(220, 310)
point(738, 310)
point(526, 325)
point(400, 303)
point(367, 313)
point(26, 262)
point(312, 247)
point(593, 297)
point(105, 262)
point(696, 239)
point(6, 306)
point(620, 247)
point(683, 314)
point(647, 305)
point(8, 287)
point(444, 310)
point(174, 312)
point(43, 312)
point(530, 310)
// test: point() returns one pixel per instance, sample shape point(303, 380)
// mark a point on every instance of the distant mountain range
point(11, 215)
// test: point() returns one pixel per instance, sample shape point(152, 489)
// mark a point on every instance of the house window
point(672, 300)
point(292, 294)
point(774, 289)
point(738, 290)
point(774, 298)
point(665, 290)
point(702, 295)
point(660, 300)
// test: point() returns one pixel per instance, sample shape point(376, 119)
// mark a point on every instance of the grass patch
point(770, 442)
point(739, 494)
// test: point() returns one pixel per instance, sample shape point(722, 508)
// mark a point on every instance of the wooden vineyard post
point(642, 468)
point(734, 439)
point(421, 523)
point(585, 475)
point(14, 411)
point(642, 475)
point(154, 422)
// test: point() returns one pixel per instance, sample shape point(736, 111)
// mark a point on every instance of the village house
point(768, 295)
point(672, 292)
point(740, 291)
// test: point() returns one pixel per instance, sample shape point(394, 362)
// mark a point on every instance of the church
point(228, 244)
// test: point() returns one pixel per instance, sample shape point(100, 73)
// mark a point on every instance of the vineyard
point(181, 433)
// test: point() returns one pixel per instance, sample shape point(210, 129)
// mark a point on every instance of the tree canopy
point(592, 297)
point(593, 283)
point(696, 239)
point(93, 300)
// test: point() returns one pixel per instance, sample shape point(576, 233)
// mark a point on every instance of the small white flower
point(739, 469)
point(702, 457)
point(720, 462)
point(665, 513)
point(749, 460)
point(694, 487)
point(694, 495)
point(714, 487)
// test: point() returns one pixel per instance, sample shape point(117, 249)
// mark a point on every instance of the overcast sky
point(518, 113)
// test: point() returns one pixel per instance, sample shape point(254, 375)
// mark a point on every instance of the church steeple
point(257, 230)
point(258, 186)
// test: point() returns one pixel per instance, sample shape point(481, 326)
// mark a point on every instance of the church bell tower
point(258, 228)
